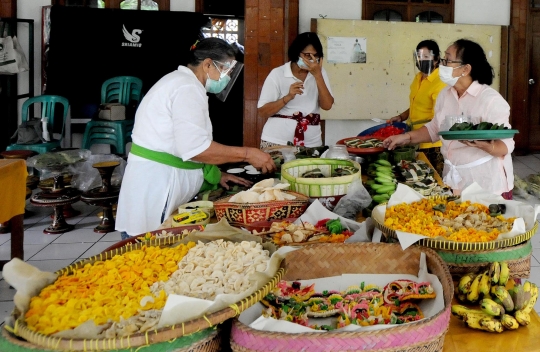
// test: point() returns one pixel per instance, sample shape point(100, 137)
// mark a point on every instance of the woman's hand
point(315, 68)
point(396, 118)
point(225, 177)
point(398, 140)
point(260, 160)
point(295, 88)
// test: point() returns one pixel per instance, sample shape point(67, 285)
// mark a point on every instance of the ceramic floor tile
point(36, 236)
point(62, 251)
point(29, 250)
point(4, 238)
point(89, 222)
point(5, 309)
point(96, 249)
point(50, 265)
point(534, 260)
point(79, 235)
point(111, 237)
point(6, 293)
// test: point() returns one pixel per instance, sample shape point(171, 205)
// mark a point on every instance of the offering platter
point(47, 185)
point(57, 198)
point(105, 196)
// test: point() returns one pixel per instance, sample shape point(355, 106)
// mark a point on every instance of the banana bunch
point(504, 304)
point(383, 182)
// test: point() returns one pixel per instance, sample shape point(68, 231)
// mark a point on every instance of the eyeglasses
point(445, 62)
point(315, 55)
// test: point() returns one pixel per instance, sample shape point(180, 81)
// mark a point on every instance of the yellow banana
point(474, 294)
point(505, 274)
point(510, 284)
point(519, 296)
point(522, 317)
point(504, 297)
point(532, 301)
point(461, 312)
point(485, 284)
point(509, 322)
point(494, 272)
point(488, 306)
point(465, 282)
point(487, 323)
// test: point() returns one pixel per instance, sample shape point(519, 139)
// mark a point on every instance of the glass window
point(429, 16)
point(535, 3)
point(387, 15)
point(226, 29)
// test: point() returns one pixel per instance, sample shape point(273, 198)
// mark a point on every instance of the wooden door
point(533, 81)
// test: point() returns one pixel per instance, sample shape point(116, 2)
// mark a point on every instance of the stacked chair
point(126, 90)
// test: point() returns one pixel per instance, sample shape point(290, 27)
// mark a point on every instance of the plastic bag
point(56, 163)
point(356, 199)
point(12, 58)
point(149, 5)
point(86, 177)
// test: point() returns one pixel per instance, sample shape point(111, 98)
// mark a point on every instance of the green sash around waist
point(211, 173)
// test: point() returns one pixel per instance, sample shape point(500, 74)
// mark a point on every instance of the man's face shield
point(230, 68)
point(423, 61)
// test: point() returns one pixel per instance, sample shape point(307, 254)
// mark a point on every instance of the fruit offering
point(504, 304)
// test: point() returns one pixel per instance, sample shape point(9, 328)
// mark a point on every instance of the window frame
point(164, 5)
point(408, 9)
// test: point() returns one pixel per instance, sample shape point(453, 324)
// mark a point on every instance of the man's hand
point(225, 177)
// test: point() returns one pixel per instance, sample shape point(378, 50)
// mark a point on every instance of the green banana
point(502, 294)
point(383, 175)
point(376, 186)
point(488, 306)
point(474, 294)
point(505, 274)
point(522, 317)
point(385, 189)
point(385, 169)
point(383, 162)
point(485, 284)
point(385, 181)
point(380, 198)
point(465, 282)
point(509, 322)
point(494, 272)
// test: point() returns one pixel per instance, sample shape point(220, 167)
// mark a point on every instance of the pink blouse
point(481, 103)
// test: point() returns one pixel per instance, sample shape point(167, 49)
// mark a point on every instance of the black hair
point(301, 41)
point(431, 45)
point(214, 48)
point(471, 53)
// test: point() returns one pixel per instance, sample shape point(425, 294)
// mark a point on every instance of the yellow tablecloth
point(12, 188)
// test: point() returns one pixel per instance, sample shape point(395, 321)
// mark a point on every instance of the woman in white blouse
point(292, 95)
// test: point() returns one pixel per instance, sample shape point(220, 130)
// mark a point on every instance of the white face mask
point(446, 75)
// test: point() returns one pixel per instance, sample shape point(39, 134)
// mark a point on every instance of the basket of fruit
point(332, 260)
point(502, 303)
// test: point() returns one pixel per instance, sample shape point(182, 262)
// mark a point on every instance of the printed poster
point(346, 50)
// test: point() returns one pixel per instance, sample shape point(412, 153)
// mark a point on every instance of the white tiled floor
point(53, 252)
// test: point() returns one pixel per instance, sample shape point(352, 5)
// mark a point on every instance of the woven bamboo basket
point(518, 258)
point(238, 214)
point(326, 260)
point(185, 330)
point(319, 187)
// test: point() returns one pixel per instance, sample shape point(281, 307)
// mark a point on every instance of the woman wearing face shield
point(423, 95)
point(293, 94)
point(468, 74)
point(173, 156)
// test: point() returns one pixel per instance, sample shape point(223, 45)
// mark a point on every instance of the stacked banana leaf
point(361, 143)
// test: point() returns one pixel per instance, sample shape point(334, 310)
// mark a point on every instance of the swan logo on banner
point(132, 37)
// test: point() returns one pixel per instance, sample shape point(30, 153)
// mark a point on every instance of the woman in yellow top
point(424, 91)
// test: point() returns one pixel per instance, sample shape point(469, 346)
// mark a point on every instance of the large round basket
point(518, 258)
point(326, 260)
point(238, 214)
point(191, 332)
point(461, 246)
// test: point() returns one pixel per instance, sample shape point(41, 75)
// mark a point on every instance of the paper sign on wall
point(347, 50)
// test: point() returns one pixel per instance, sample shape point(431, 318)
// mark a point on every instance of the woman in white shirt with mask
point(469, 75)
point(293, 94)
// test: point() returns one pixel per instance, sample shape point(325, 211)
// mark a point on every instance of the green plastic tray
point(478, 135)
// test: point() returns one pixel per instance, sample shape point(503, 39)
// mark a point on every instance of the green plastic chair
point(48, 109)
point(125, 90)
